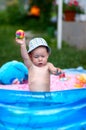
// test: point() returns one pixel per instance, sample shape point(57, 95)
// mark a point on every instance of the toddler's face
point(39, 56)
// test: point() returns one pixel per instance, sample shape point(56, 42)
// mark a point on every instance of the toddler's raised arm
point(24, 53)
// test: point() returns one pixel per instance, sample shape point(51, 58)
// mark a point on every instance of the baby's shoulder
point(49, 64)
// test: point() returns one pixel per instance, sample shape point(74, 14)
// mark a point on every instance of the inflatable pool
point(64, 108)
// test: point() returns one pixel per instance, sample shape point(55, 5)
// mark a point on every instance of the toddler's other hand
point(59, 71)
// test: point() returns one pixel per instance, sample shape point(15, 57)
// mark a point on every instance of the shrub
point(45, 9)
point(3, 17)
point(14, 12)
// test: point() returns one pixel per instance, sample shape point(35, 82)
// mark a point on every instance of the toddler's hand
point(20, 41)
point(59, 71)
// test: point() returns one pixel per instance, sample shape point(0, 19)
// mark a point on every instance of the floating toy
point(80, 80)
point(62, 76)
point(20, 34)
point(13, 72)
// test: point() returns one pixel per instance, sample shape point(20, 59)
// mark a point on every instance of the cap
point(36, 42)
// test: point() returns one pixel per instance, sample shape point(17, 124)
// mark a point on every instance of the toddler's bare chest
point(41, 71)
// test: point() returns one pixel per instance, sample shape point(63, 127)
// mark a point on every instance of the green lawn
point(67, 57)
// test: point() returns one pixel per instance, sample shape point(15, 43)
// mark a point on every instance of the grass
point(67, 57)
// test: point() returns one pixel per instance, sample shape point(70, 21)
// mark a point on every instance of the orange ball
point(20, 34)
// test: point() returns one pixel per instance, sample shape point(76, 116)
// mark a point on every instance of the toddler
point(36, 60)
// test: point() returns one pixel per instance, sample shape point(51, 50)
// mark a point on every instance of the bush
point(3, 17)
point(14, 12)
point(45, 9)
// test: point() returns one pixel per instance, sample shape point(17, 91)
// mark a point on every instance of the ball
point(20, 34)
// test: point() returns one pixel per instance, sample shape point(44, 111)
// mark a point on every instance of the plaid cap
point(36, 42)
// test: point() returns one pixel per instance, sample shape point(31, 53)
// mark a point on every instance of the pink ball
point(20, 34)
